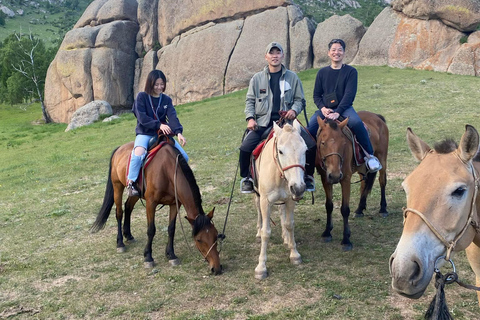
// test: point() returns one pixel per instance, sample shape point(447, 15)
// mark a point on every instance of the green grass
point(52, 184)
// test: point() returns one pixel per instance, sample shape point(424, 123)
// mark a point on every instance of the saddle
point(358, 154)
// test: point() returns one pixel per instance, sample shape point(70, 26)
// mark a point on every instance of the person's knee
point(139, 151)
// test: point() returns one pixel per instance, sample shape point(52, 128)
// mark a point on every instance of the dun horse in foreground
point(335, 162)
point(280, 171)
point(442, 214)
point(169, 181)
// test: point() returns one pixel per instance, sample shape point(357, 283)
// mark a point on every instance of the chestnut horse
point(169, 181)
point(280, 171)
point(442, 214)
point(335, 163)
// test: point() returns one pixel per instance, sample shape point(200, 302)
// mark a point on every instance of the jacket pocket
point(261, 105)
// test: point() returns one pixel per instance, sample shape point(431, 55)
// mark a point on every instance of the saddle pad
point(258, 149)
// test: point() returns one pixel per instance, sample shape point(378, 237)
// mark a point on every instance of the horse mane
point(446, 146)
point(188, 173)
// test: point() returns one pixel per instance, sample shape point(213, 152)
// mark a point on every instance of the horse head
point(441, 194)
point(332, 146)
point(290, 151)
point(205, 236)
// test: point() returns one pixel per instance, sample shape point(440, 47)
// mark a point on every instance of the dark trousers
point(253, 138)
point(354, 123)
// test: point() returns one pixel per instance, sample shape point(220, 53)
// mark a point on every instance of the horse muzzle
point(297, 191)
point(409, 278)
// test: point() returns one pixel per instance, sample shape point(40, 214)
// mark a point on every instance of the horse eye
point(198, 240)
point(280, 151)
point(459, 192)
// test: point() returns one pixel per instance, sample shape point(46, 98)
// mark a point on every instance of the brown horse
point(169, 181)
point(335, 163)
point(442, 214)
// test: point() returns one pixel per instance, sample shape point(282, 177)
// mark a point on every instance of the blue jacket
point(151, 112)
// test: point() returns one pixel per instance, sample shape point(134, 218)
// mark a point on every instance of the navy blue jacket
point(151, 112)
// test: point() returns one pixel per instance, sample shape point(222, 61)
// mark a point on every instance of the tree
point(25, 61)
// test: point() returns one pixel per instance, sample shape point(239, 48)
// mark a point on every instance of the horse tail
point(108, 201)
point(381, 117)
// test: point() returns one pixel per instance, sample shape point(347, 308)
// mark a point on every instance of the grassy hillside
point(50, 22)
point(52, 185)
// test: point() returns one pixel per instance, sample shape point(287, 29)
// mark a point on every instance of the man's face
point(336, 53)
point(274, 57)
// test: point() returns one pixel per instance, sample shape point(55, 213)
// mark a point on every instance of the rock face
point(344, 27)
point(96, 60)
point(208, 48)
point(463, 15)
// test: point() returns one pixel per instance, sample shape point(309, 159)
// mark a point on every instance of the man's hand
point(251, 124)
point(326, 111)
point(291, 114)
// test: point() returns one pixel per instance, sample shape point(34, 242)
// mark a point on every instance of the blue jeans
point(142, 140)
point(354, 123)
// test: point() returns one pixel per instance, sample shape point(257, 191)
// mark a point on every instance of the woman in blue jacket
point(155, 114)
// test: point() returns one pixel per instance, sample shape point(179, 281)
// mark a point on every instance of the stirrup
point(132, 190)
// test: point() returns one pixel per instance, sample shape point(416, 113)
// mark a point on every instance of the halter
point(450, 246)
point(277, 161)
point(324, 167)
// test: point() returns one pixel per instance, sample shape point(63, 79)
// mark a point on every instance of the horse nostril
point(341, 175)
point(416, 274)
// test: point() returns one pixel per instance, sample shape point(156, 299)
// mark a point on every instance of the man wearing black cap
point(271, 90)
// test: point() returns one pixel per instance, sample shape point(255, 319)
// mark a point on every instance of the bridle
point(322, 164)
point(450, 246)
point(277, 161)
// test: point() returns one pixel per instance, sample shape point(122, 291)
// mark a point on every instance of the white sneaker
point(372, 163)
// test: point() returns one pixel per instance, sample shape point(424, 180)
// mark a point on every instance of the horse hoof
point(359, 215)
point(132, 240)
point(384, 214)
point(121, 249)
point(347, 247)
point(296, 260)
point(327, 239)
point(260, 275)
point(174, 262)
point(148, 265)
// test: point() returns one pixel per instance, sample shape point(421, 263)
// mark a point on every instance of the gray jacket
point(259, 101)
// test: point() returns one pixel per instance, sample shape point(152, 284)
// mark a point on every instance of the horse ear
point(276, 128)
point(418, 148)
point(343, 123)
point(210, 214)
point(190, 220)
point(297, 126)
point(468, 144)
point(321, 123)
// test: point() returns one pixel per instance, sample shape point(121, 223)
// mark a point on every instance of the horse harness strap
point(279, 165)
point(450, 246)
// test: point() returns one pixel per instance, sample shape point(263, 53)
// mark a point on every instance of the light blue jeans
point(136, 161)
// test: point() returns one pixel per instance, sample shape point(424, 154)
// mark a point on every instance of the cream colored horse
point(280, 170)
point(442, 214)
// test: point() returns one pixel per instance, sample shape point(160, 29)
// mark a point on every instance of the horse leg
point(147, 253)
point(259, 218)
point(326, 235)
point(345, 210)
point(382, 179)
point(118, 192)
point(295, 257)
point(169, 251)
point(261, 269)
point(129, 205)
point(473, 255)
point(281, 213)
point(365, 189)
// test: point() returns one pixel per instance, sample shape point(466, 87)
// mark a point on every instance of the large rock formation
point(463, 15)
point(208, 48)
